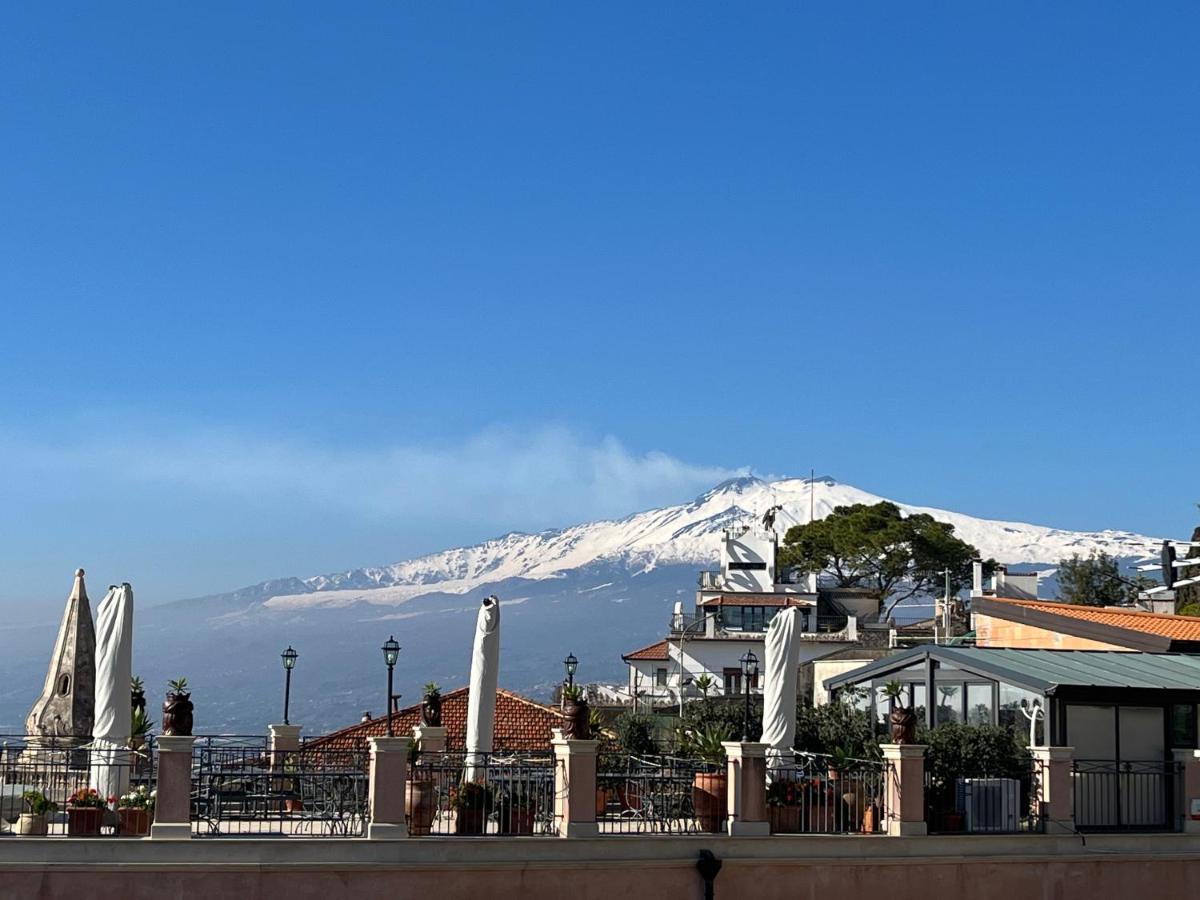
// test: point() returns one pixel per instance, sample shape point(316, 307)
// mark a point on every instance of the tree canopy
point(1096, 580)
point(877, 548)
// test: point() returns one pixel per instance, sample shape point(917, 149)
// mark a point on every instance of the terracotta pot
point(602, 796)
point(470, 821)
point(576, 724)
point(431, 711)
point(784, 819)
point(709, 797)
point(177, 714)
point(133, 822)
point(32, 824)
point(517, 820)
point(953, 821)
point(293, 805)
point(868, 819)
point(903, 721)
point(420, 806)
point(84, 821)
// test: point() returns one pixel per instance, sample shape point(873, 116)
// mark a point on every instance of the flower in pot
point(710, 788)
point(902, 719)
point(576, 716)
point(472, 804)
point(85, 812)
point(785, 803)
point(516, 810)
point(34, 819)
point(431, 705)
point(177, 708)
point(135, 810)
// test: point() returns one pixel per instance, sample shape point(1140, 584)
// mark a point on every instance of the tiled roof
point(1177, 628)
point(654, 651)
point(520, 723)
point(757, 600)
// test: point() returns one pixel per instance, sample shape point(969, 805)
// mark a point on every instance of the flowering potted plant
point(34, 821)
point(785, 805)
point(134, 812)
point(472, 804)
point(85, 812)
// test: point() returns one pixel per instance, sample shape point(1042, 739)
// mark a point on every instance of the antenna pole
point(812, 494)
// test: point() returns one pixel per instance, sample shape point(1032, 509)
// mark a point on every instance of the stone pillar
point(575, 786)
point(285, 739)
point(430, 738)
point(173, 803)
point(1055, 788)
point(747, 790)
point(1190, 791)
point(905, 776)
point(389, 773)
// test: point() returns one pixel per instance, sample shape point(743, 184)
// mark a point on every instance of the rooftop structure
point(66, 707)
point(1044, 624)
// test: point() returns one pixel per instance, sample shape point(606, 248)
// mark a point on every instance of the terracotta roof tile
point(654, 651)
point(1177, 628)
point(520, 723)
point(757, 600)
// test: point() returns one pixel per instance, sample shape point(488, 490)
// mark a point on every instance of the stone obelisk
point(67, 706)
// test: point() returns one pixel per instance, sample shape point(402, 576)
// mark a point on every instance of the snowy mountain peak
point(688, 533)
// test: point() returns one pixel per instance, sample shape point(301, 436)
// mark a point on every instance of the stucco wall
point(994, 632)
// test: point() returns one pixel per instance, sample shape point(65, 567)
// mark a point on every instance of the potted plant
point(85, 812)
point(177, 708)
point(710, 788)
point(576, 716)
point(902, 720)
point(785, 806)
point(137, 693)
point(34, 819)
point(704, 683)
point(431, 705)
point(420, 794)
point(135, 810)
point(516, 810)
point(472, 804)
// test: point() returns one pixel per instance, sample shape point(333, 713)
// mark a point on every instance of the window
point(733, 681)
point(660, 677)
point(747, 567)
point(64, 684)
point(1011, 716)
point(1183, 725)
point(979, 704)
point(747, 618)
point(949, 703)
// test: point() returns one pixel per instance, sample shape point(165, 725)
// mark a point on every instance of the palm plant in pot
point(902, 720)
point(431, 705)
point(472, 804)
point(177, 708)
point(710, 785)
point(137, 693)
point(576, 716)
point(34, 819)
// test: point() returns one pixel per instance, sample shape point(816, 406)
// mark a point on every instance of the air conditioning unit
point(989, 804)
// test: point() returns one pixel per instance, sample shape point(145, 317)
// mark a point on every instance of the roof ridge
point(1114, 610)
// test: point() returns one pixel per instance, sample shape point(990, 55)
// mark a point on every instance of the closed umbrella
point(114, 712)
point(485, 675)
point(782, 659)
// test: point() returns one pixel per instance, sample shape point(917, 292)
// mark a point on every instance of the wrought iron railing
point(660, 795)
point(816, 794)
point(499, 793)
point(53, 786)
point(1000, 800)
point(1133, 795)
point(248, 790)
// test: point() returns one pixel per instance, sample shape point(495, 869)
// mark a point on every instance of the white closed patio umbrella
point(782, 659)
point(111, 756)
point(485, 675)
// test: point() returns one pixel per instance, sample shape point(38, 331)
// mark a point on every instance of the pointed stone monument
point(66, 709)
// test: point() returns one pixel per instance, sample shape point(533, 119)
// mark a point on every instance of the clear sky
point(292, 288)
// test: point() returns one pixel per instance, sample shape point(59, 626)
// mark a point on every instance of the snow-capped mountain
point(688, 533)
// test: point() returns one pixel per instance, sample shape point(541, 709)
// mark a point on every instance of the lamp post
point(289, 657)
point(749, 671)
point(391, 653)
point(570, 664)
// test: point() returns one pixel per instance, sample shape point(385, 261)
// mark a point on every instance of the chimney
point(976, 577)
point(998, 580)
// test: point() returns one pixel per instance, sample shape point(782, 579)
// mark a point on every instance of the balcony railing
point(479, 794)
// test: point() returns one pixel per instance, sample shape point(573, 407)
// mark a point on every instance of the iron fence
point(999, 800)
point(499, 793)
point(248, 790)
point(1132, 795)
point(660, 795)
point(52, 786)
point(817, 794)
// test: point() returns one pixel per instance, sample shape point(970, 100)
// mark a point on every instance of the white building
point(703, 649)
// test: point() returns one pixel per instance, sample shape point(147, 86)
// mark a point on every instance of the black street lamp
point(289, 657)
point(391, 653)
point(570, 664)
point(749, 671)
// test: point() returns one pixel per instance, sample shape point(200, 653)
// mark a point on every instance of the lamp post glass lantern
point(570, 664)
point(749, 672)
point(391, 653)
point(289, 657)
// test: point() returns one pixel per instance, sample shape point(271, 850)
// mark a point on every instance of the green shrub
point(726, 713)
point(835, 727)
point(972, 751)
point(635, 734)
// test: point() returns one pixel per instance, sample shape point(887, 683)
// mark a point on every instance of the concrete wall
point(994, 632)
point(830, 668)
point(848, 868)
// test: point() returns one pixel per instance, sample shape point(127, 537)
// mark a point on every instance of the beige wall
point(829, 668)
point(995, 632)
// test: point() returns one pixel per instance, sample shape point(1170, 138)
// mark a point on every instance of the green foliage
point(705, 743)
point(635, 734)
point(140, 726)
point(38, 803)
point(894, 691)
point(836, 726)
point(177, 686)
point(1095, 580)
point(877, 548)
point(1192, 609)
point(971, 751)
point(788, 793)
point(432, 690)
point(573, 692)
point(471, 795)
point(727, 713)
point(136, 685)
point(705, 683)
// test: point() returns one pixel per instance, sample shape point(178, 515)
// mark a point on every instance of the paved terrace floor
point(1019, 867)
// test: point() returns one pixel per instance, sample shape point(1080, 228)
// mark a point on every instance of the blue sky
point(294, 288)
